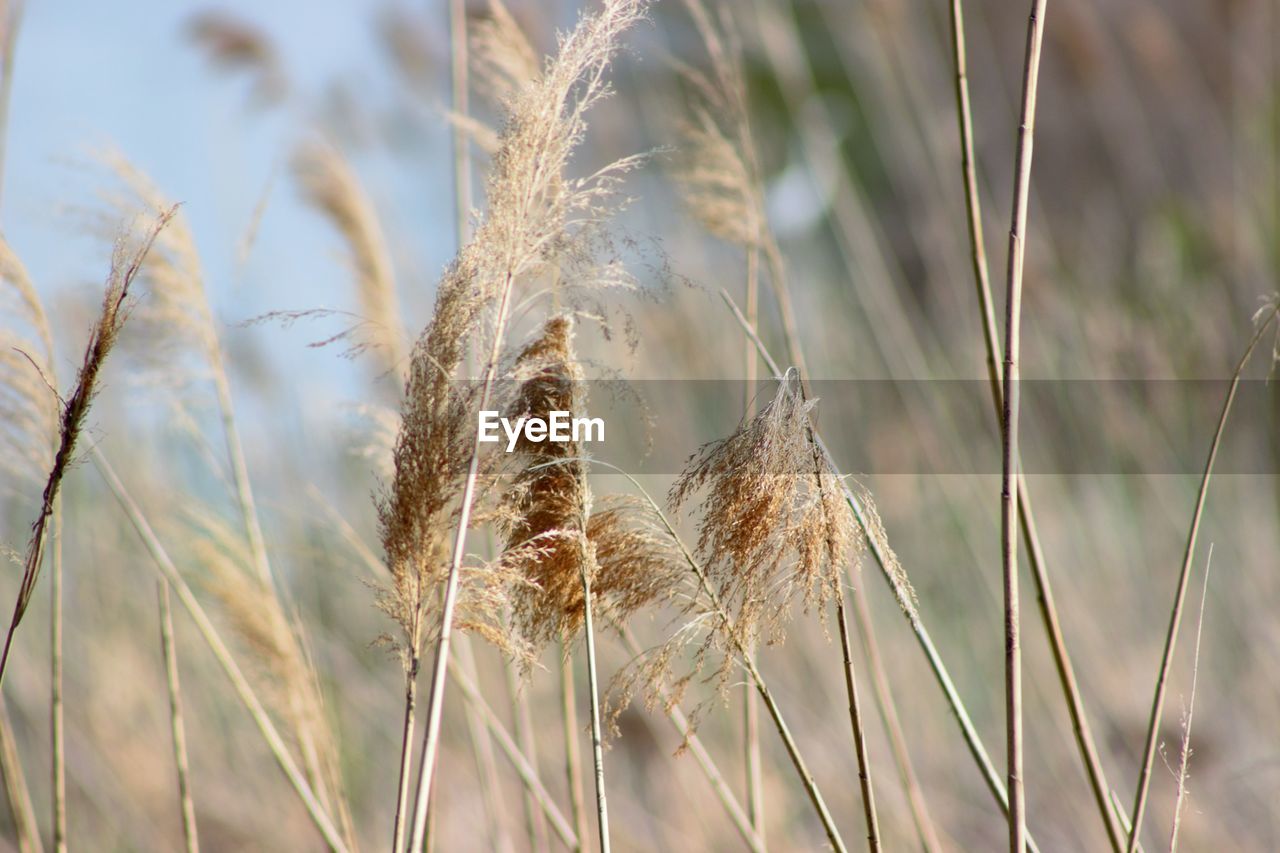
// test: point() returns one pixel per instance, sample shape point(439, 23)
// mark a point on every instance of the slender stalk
point(970, 734)
point(850, 679)
point(56, 716)
point(1039, 567)
point(176, 724)
point(893, 726)
point(15, 784)
point(406, 753)
point(1191, 708)
point(435, 701)
point(1009, 421)
point(240, 471)
point(741, 820)
point(517, 755)
point(750, 710)
point(859, 732)
point(204, 625)
point(1175, 616)
point(461, 100)
point(748, 662)
point(597, 738)
point(535, 821)
point(482, 752)
point(10, 18)
point(528, 774)
point(572, 756)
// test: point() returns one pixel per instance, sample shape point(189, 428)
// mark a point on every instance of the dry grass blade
point(741, 820)
point(331, 186)
point(244, 690)
point(126, 262)
point(1184, 761)
point(177, 723)
point(1264, 319)
point(286, 673)
point(18, 795)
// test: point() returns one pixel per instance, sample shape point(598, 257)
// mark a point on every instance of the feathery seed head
point(329, 184)
point(773, 524)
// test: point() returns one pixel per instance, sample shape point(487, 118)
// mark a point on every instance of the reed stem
point(1009, 433)
point(597, 737)
point(1039, 566)
point(1175, 616)
point(572, 755)
point(56, 716)
point(177, 726)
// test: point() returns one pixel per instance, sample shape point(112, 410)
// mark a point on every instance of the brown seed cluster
point(773, 523)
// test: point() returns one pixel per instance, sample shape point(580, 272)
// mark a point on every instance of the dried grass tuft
point(28, 395)
point(773, 526)
point(287, 674)
point(537, 219)
point(237, 45)
point(548, 502)
point(331, 186)
point(503, 61)
point(174, 320)
point(130, 252)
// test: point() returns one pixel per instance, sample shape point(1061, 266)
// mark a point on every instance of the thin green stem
point(177, 725)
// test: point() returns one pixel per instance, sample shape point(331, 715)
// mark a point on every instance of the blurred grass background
point(1155, 228)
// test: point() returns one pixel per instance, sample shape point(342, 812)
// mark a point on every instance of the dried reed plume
point(536, 218)
point(552, 527)
point(28, 399)
point(237, 45)
point(772, 527)
point(175, 319)
point(331, 186)
point(126, 262)
point(548, 503)
point(718, 170)
point(503, 60)
point(547, 510)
